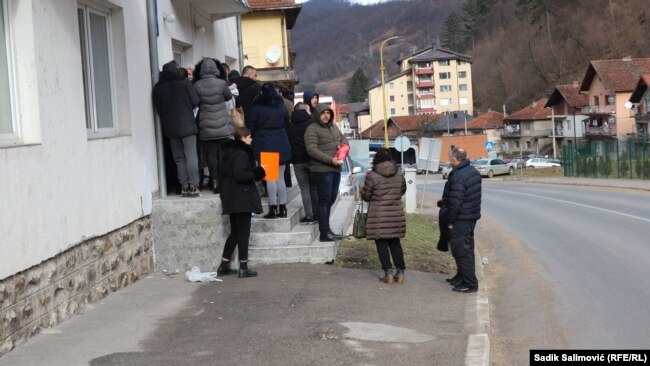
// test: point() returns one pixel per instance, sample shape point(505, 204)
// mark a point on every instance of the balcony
point(423, 70)
point(424, 84)
point(596, 109)
point(642, 118)
point(425, 96)
point(426, 110)
point(601, 131)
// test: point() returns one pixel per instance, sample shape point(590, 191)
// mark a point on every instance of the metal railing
point(596, 109)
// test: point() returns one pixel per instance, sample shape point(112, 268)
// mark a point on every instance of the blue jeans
point(327, 186)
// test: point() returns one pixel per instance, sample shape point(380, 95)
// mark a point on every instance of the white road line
point(583, 205)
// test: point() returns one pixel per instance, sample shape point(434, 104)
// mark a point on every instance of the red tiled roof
point(272, 4)
point(533, 112)
point(616, 75)
point(486, 121)
point(409, 126)
point(571, 94)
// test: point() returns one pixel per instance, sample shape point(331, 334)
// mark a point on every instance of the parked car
point(353, 176)
point(446, 168)
point(540, 163)
point(491, 167)
point(514, 164)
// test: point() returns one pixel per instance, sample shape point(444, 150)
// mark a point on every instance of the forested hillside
point(520, 48)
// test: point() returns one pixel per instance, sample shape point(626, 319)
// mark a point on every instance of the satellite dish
point(628, 105)
point(273, 54)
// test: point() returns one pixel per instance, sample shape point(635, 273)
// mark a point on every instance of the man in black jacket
point(248, 88)
point(462, 198)
point(174, 99)
point(300, 120)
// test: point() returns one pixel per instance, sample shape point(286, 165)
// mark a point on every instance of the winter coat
point(248, 90)
point(267, 121)
point(383, 190)
point(300, 120)
point(462, 194)
point(238, 191)
point(322, 141)
point(174, 99)
point(214, 118)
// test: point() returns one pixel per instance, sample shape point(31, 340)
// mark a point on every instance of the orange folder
point(270, 161)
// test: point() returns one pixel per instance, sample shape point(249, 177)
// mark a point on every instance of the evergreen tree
point(452, 32)
point(357, 85)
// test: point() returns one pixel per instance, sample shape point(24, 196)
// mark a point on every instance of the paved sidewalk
point(295, 314)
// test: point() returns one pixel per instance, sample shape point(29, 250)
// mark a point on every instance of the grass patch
point(419, 245)
point(552, 172)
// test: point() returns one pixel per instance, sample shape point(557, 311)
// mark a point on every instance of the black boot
point(245, 272)
point(272, 212)
point(388, 277)
point(399, 276)
point(215, 186)
point(224, 269)
point(283, 211)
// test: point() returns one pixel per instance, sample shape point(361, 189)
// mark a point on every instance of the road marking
point(586, 206)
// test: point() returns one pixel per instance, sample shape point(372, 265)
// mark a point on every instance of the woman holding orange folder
point(267, 121)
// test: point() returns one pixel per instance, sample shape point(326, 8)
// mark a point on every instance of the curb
point(478, 326)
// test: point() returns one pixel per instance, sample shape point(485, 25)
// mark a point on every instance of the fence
point(608, 159)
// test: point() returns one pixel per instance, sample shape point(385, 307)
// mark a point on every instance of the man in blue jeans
point(322, 140)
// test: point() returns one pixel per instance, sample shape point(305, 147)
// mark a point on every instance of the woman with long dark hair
point(386, 224)
point(239, 199)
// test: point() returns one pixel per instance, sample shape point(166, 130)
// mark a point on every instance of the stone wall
point(47, 294)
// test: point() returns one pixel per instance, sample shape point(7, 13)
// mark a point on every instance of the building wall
point(399, 92)
point(474, 144)
point(61, 187)
point(455, 66)
point(625, 122)
point(260, 31)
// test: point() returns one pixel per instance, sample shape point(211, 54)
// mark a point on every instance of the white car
point(540, 163)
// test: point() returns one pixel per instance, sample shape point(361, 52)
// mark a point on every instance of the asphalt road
point(578, 258)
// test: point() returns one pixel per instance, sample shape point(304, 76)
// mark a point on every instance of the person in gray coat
point(215, 126)
point(386, 224)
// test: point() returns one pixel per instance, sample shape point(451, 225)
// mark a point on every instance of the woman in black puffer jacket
point(239, 198)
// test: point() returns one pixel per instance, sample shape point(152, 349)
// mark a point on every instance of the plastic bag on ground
point(195, 275)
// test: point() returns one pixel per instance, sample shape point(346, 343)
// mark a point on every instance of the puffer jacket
point(267, 121)
point(238, 191)
point(300, 120)
point(384, 189)
point(322, 141)
point(462, 195)
point(214, 118)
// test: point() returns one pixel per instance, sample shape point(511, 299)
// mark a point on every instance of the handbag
point(359, 225)
point(237, 117)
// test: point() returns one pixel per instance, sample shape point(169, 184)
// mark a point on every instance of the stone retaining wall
point(47, 294)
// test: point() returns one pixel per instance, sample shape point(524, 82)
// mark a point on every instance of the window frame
point(13, 137)
point(446, 88)
point(96, 132)
point(462, 74)
point(443, 63)
point(447, 75)
point(462, 87)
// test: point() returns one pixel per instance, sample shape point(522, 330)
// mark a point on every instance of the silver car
point(353, 176)
point(491, 167)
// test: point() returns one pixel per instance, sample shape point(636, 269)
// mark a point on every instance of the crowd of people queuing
point(195, 106)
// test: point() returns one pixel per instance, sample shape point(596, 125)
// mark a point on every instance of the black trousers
point(395, 247)
point(462, 248)
point(240, 233)
point(213, 151)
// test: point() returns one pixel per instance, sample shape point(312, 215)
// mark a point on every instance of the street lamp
point(383, 87)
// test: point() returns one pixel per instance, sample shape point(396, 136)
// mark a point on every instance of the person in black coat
point(300, 120)
point(174, 99)
point(239, 199)
point(462, 200)
point(248, 88)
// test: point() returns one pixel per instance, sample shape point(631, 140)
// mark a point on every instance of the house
point(641, 102)
point(430, 81)
point(528, 130)
point(489, 124)
point(266, 40)
point(566, 103)
point(608, 85)
point(79, 148)
point(409, 126)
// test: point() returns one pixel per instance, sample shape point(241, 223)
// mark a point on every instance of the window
point(445, 88)
point(596, 100)
point(392, 98)
point(392, 111)
point(96, 58)
point(610, 99)
point(445, 101)
point(464, 101)
point(462, 87)
point(462, 74)
point(8, 120)
point(444, 75)
point(443, 63)
point(391, 86)
point(528, 145)
point(517, 144)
